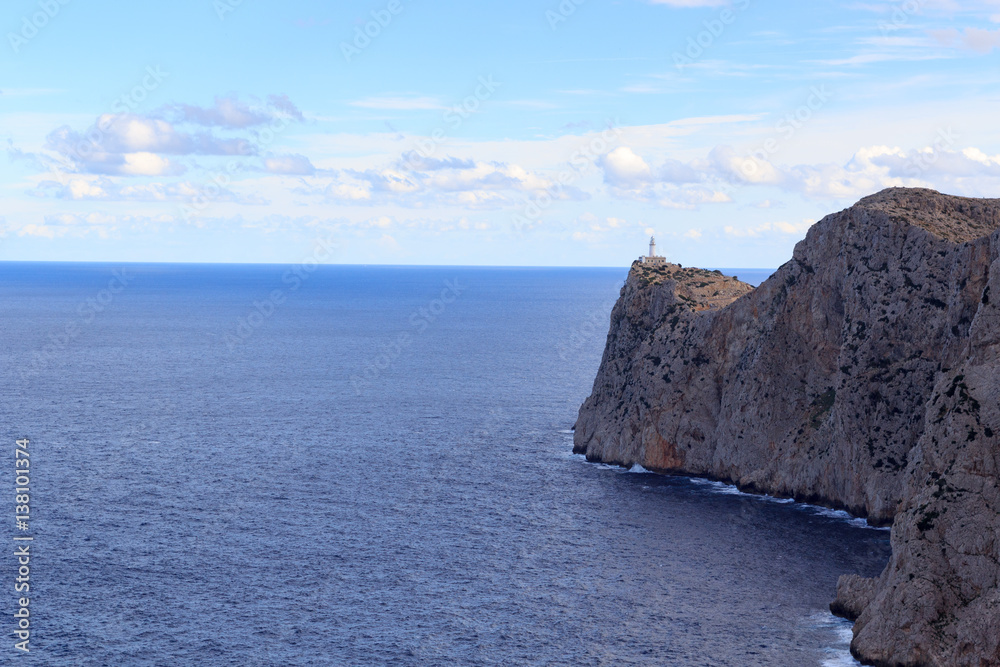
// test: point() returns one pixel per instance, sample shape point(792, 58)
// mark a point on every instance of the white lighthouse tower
point(652, 257)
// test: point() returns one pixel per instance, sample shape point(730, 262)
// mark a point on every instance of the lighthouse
point(652, 257)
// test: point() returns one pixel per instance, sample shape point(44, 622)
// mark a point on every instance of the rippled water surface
point(375, 471)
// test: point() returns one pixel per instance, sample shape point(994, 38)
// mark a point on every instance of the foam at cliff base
point(840, 652)
point(725, 489)
point(732, 490)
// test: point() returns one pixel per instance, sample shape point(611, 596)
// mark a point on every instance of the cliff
point(864, 374)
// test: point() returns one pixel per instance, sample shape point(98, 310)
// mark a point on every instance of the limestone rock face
point(864, 374)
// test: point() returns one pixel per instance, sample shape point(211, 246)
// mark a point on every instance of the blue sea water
point(258, 465)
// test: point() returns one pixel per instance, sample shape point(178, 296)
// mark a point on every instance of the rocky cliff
point(864, 374)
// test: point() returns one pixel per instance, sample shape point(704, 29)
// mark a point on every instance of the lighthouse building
point(652, 257)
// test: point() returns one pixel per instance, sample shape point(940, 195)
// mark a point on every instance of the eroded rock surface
point(864, 374)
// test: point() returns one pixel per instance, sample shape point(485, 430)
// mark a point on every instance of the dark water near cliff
point(196, 504)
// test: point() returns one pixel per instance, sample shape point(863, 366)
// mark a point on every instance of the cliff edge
point(864, 374)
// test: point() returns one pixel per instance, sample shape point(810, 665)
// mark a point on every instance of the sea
point(370, 465)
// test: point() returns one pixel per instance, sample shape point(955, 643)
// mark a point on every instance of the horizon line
point(367, 265)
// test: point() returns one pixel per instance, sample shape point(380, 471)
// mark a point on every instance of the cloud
point(134, 145)
point(292, 164)
point(414, 160)
point(735, 167)
point(104, 225)
point(131, 144)
point(43, 231)
point(420, 182)
point(78, 225)
point(624, 169)
point(768, 204)
point(978, 40)
point(868, 58)
point(674, 184)
point(147, 164)
point(231, 112)
point(389, 244)
point(283, 104)
point(677, 184)
point(769, 229)
point(102, 188)
point(690, 198)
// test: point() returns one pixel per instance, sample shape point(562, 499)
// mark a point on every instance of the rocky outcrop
point(864, 374)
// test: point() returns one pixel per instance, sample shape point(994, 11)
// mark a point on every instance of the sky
point(545, 133)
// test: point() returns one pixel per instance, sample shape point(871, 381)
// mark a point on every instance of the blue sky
point(516, 133)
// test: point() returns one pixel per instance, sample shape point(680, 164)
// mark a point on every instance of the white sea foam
point(839, 653)
point(843, 516)
point(731, 490)
point(718, 487)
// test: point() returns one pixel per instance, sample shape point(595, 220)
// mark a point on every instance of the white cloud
point(289, 165)
point(389, 243)
point(743, 168)
point(233, 113)
point(623, 168)
point(147, 164)
point(78, 225)
point(978, 40)
point(868, 58)
point(451, 182)
point(688, 185)
point(769, 229)
point(81, 189)
point(133, 145)
point(43, 231)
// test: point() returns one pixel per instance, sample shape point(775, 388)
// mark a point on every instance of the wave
point(726, 489)
point(818, 510)
point(839, 653)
